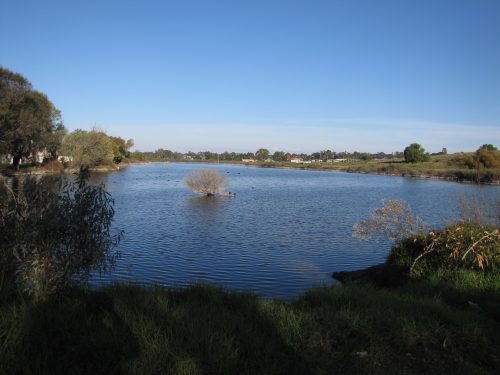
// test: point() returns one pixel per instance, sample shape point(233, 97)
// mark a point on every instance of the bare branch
point(206, 181)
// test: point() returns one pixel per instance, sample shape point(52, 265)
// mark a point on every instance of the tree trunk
point(15, 162)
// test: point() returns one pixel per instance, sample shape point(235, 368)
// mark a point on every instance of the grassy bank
point(445, 167)
point(421, 326)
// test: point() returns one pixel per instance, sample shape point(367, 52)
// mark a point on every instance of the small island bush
point(206, 181)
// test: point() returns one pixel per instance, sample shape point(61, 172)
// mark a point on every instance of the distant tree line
point(261, 154)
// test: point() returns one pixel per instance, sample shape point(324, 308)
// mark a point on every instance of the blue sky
point(239, 75)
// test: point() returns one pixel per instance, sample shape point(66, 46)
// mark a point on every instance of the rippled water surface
point(286, 230)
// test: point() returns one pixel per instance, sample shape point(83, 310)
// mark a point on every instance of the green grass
point(448, 167)
point(421, 326)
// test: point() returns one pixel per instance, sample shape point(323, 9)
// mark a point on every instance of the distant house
point(6, 159)
point(65, 159)
point(39, 156)
point(339, 160)
point(248, 160)
point(36, 157)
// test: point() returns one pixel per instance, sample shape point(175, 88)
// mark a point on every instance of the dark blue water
point(285, 231)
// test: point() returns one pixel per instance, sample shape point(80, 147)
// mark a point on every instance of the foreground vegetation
point(427, 325)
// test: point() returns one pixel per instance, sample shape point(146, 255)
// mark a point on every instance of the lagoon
point(285, 230)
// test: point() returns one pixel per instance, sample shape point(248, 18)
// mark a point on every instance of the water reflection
point(16, 184)
point(206, 207)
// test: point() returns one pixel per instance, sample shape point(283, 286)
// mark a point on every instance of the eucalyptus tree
point(29, 122)
point(88, 148)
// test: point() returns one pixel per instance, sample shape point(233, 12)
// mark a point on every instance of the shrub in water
point(206, 181)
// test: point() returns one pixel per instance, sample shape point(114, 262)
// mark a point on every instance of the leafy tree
point(279, 156)
point(29, 122)
point(325, 155)
point(262, 154)
point(53, 236)
point(138, 156)
point(162, 154)
point(88, 148)
point(415, 153)
point(121, 148)
point(487, 147)
point(487, 156)
point(206, 181)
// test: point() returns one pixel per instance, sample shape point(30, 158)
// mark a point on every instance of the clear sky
point(373, 75)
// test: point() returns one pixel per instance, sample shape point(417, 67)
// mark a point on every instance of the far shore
point(383, 168)
point(435, 169)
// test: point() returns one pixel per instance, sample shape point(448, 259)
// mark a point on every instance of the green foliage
point(262, 154)
point(486, 157)
point(88, 148)
point(138, 156)
point(415, 153)
point(29, 122)
point(471, 243)
point(488, 147)
point(54, 235)
point(121, 148)
point(279, 156)
point(459, 246)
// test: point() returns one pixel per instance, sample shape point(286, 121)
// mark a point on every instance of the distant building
point(299, 161)
point(6, 159)
point(248, 160)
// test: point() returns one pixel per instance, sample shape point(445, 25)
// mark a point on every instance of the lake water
point(284, 231)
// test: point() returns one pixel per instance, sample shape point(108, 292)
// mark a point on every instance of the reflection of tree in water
point(17, 183)
point(206, 208)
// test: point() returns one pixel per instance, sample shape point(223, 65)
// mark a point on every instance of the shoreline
point(458, 176)
point(424, 176)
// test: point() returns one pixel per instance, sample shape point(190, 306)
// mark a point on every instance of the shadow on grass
point(79, 334)
point(205, 330)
